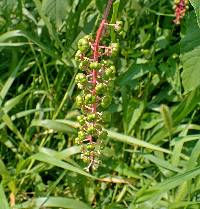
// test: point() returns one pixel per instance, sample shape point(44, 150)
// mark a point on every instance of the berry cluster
point(180, 8)
point(96, 81)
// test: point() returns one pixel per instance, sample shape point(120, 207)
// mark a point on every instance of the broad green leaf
point(52, 202)
point(3, 201)
point(135, 71)
point(191, 66)
point(191, 38)
point(48, 24)
point(46, 158)
point(56, 10)
point(195, 4)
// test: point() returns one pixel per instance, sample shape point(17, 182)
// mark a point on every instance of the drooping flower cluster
point(96, 80)
point(180, 10)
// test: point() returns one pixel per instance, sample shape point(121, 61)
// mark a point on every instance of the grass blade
point(4, 203)
point(56, 202)
point(59, 163)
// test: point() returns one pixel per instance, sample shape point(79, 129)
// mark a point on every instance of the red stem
point(99, 35)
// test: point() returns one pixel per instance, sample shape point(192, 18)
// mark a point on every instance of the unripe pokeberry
point(85, 159)
point(118, 25)
point(81, 78)
point(114, 49)
point(88, 37)
point(100, 88)
point(79, 101)
point(81, 120)
point(78, 141)
point(81, 66)
point(90, 99)
point(95, 65)
point(91, 117)
point(81, 135)
point(106, 63)
point(78, 55)
point(91, 130)
point(90, 146)
point(83, 45)
point(110, 72)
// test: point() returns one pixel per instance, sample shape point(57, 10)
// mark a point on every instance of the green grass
point(151, 157)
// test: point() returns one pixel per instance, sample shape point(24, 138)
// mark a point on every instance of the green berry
point(80, 86)
point(91, 117)
point(83, 45)
point(81, 66)
point(114, 49)
point(81, 135)
point(91, 130)
point(79, 101)
point(90, 99)
point(88, 37)
point(90, 146)
point(78, 55)
point(106, 101)
point(106, 63)
point(100, 88)
point(110, 72)
point(78, 141)
point(87, 153)
point(85, 159)
point(118, 26)
point(81, 120)
point(81, 78)
point(95, 65)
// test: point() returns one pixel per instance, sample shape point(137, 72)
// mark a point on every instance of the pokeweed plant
point(96, 82)
point(180, 7)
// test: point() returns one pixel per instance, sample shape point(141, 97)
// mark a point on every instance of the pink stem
point(95, 49)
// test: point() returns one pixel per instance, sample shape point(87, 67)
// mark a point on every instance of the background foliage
point(151, 156)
